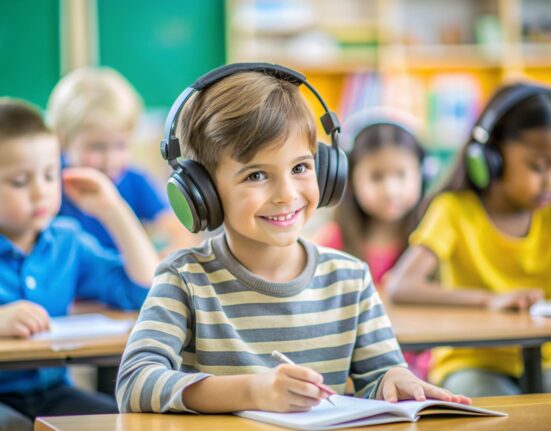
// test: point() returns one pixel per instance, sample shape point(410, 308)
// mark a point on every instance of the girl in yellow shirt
point(487, 232)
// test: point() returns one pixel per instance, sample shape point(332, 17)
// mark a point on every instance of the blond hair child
point(94, 112)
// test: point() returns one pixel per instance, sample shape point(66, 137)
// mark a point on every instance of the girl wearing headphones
point(487, 235)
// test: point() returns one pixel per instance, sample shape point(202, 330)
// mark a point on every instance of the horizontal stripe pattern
point(201, 320)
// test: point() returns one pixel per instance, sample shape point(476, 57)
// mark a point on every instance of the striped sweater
point(208, 315)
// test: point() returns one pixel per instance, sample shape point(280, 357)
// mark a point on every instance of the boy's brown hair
point(18, 119)
point(240, 115)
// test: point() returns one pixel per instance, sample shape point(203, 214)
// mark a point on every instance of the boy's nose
point(285, 191)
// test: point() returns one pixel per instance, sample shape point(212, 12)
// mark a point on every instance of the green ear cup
point(477, 166)
point(181, 207)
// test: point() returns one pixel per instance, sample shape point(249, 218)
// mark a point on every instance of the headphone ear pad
point(494, 161)
point(214, 214)
point(185, 201)
point(476, 165)
point(332, 173)
point(194, 198)
point(322, 168)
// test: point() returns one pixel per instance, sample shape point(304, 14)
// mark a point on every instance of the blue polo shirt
point(137, 189)
point(65, 263)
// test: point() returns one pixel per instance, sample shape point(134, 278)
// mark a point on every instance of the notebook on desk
point(79, 326)
point(541, 309)
point(353, 412)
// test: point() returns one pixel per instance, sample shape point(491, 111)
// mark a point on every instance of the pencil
point(282, 358)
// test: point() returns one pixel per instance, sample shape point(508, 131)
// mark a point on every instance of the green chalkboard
point(29, 49)
point(161, 46)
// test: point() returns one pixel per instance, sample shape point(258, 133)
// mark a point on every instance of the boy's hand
point(401, 384)
point(23, 319)
point(91, 190)
point(517, 300)
point(286, 388)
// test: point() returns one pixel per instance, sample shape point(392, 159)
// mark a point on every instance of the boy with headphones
point(487, 232)
point(205, 335)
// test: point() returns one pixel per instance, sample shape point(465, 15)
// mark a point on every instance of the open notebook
point(541, 309)
point(353, 412)
point(83, 326)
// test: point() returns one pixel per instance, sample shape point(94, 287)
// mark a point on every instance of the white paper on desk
point(541, 308)
point(83, 326)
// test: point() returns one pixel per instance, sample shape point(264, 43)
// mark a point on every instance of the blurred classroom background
point(438, 59)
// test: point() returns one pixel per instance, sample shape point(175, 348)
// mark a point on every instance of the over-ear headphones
point(483, 162)
point(191, 191)
point(387, 115)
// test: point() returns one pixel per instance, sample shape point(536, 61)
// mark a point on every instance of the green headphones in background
point(483, 162)
point(191, 191)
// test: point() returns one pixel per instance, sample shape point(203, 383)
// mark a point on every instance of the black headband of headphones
point(497, 109)
point(170, 147)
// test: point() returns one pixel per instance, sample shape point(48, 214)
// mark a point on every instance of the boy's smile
point(268, 200)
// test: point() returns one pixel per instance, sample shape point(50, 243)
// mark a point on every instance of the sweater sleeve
point(376, 349)
point(152, 374)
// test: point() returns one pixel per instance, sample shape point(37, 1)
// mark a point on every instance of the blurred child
point(46, 262)
point(94, 112)
point(380, 207)
point(205, 335)
point(488, 233)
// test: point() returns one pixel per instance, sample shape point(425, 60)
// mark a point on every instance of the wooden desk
point(21, 353)
point(422, 327)
point(526, 412)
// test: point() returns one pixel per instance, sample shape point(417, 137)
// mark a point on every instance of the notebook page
point(83, 326)
point(413, 408)
point(327, 416)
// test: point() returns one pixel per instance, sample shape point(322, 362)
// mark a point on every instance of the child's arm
point(23, 319)
point(410, 282)
point(95, 194)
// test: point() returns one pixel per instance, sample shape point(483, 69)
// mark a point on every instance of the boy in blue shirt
point(47, 262)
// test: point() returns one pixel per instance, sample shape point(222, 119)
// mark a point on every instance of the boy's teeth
point(282, 218)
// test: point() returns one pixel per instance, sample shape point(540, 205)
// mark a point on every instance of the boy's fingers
point(303, 373)
point(390, 393)
point(438, 393)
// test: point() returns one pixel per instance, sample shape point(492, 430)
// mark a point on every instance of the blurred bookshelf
point(438, 59)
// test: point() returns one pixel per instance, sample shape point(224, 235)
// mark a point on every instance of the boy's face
point(269, 199)
point(526, 179)
point(107, 150)
point(30, 190)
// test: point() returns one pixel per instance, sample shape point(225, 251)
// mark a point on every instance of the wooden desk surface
point(429, 326)
point(526, 412)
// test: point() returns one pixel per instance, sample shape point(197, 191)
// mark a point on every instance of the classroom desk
point(415, 326)
point(425, 326)
point(21, 353)
point(526, 412)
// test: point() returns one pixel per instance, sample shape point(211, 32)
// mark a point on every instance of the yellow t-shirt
point(474, 253)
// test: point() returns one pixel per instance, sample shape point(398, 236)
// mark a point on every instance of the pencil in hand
point(282, 358)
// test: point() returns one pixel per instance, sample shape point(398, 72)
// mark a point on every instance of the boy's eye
point(377, 176)
point(538, 166)
point(300, 168)
point(256, 176)
point(20, 181)
point(52, 175)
